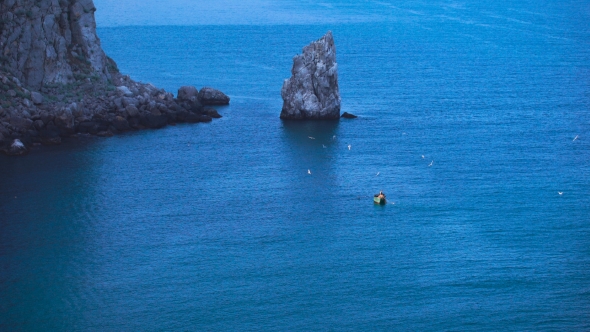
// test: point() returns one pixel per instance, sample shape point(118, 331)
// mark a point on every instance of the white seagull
point(422, 156)
point(560, 192)
point(309, 172)
point(432, 162)
point(349, 147)
point(311, 137)
point(377, 174)
point(575, 138)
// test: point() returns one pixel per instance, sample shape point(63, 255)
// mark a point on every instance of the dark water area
point(220, 227)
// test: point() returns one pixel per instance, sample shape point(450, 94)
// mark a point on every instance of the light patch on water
point(112, 13)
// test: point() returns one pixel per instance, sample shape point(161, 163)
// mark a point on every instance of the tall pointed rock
point(312, 91)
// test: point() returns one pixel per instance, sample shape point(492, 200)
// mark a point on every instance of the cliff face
point(48, 41)
point(56, 81)
point(312, 91)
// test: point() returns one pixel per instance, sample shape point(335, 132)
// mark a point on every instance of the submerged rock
point(347, 115)
point(312, 91)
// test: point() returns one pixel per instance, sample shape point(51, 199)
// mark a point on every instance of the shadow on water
point(320, 130)
point(310, 147)
point(44, 227)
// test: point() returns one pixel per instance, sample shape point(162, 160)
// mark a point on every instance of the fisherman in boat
point(379, 198)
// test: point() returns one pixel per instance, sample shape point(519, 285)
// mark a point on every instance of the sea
point(473, 119)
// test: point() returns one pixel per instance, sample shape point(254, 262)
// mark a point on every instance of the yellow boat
point(379, 200)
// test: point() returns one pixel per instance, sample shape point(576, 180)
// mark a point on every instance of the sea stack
point(312, 91)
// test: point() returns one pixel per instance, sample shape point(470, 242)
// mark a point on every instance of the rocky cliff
point(56, 81)
point(48, 41)
point(312, 91)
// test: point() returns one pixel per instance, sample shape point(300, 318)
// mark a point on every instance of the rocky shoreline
point(29, 118)
point(57, 82)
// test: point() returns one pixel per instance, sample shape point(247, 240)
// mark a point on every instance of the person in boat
point(381, 195)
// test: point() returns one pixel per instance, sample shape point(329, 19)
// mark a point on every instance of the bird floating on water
point(309, 172)
point(560, 192)
point(575, 138)
point(311, 137)
point(432, 162)
point(348, 146)
point(422, 156)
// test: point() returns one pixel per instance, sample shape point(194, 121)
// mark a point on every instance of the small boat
point(379, 200)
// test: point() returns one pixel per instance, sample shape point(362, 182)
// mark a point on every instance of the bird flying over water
point(334, 137)
point(324, 146)
point(432, 162)
point(377, 174)
point(560, 192)
point(575, 138)
point(311, 137)
point(348, 146)
point(309, 172)
point(422, 156)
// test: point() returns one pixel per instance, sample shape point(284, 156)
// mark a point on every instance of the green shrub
point(21, 94)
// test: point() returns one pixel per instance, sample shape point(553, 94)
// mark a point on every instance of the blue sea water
point(220, 227)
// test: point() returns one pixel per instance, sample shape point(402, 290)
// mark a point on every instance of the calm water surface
point(219, 227)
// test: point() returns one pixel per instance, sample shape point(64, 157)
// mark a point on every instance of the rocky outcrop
point(188, 93)
point(211, 112)
point(210, 96)
point(57, 82)
point(312, 91)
